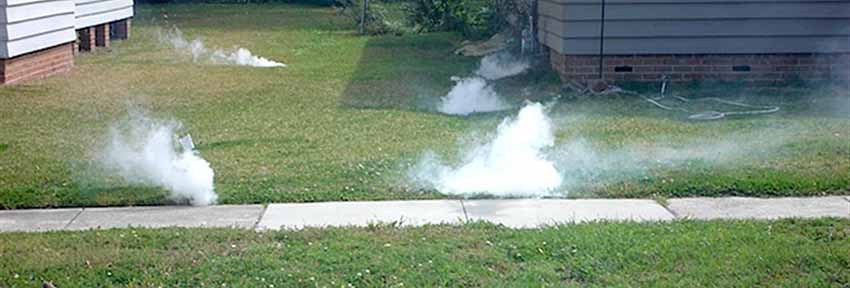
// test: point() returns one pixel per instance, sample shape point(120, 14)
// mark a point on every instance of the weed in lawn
point(143, 151)
point(3, 147)
point(473, 94)
point(510, 165)
point(201, 54)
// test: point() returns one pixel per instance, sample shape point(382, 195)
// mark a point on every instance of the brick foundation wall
point(85, 39)
point(101, 35)
point(37, 64)
point(756, 69)
point(60, 58)
point(120, 30)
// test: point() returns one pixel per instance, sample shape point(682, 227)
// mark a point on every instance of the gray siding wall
point(695, 26)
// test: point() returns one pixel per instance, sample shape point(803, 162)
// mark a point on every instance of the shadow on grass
point(407, 72)
point(413, 72)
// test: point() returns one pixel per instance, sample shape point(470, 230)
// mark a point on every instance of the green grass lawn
point(788, 253)
point(350, 114)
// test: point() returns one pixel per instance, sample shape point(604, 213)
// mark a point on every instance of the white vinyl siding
point(94, 12)
point(31, 25)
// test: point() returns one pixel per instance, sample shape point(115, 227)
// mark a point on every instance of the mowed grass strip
point(351, 114)
point(787, 253)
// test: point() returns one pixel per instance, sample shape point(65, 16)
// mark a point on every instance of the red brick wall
point(758, 69)
point(37, 64)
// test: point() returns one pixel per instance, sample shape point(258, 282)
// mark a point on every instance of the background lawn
point(788, 253)
point(351, 114)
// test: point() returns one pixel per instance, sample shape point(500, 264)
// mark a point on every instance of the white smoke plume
point(512, 164)
point(500, 65)
point(144, 151)
point(582, 164)
point(201, 54)
point(523, 160)
point(473, 94)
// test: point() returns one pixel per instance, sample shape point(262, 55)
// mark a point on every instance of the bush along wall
point(476, 19)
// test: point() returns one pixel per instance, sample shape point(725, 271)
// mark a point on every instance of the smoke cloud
point(524, 160)
point(474, 94)
point(471, 95)
point(145, 152)
point(512, 164)
point(201, 54)
point(500, 65)
point(583, 164)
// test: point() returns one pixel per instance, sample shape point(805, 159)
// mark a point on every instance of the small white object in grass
point(187, 143)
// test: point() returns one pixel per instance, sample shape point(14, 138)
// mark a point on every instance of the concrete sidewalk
point(511, 213)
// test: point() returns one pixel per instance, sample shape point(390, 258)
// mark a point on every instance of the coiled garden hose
point(695, 115)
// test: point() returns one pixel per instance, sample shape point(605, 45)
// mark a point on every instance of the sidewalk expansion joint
point(73, 219)
point(465, 214)
point(675, 215)
point(260, 218)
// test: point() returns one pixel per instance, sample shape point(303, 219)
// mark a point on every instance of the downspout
point(532, 19)
point(602, 42)
point(530, 43)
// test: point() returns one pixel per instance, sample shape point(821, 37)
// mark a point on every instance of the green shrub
point(383, 17)
point(474, 18)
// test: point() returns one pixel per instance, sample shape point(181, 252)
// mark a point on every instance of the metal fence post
point(363, 15)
